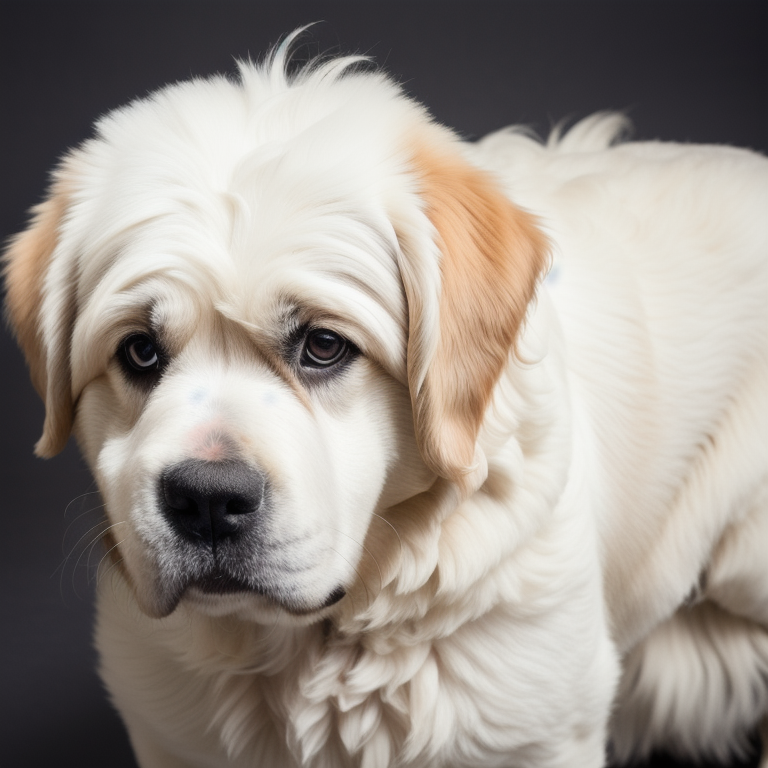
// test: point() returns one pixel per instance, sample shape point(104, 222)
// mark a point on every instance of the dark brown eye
point(141, 353)
point(323, 348)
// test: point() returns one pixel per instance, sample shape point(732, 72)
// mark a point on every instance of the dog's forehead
point(256, 152)
point(242, 196)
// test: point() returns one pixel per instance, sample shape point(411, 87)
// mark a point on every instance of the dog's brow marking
point(272, 358)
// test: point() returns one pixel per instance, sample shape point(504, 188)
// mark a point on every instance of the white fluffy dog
point(414, 452)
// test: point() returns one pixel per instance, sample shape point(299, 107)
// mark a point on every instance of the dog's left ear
point(44, 337)
point(490, 255)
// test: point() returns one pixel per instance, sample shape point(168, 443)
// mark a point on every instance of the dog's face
point(243, 424)
point(274, 313)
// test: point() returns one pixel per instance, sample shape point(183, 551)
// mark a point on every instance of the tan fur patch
point(492, 256)
point(26, 263)
point(27, 260)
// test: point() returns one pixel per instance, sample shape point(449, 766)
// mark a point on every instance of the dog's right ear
point(470, 262)
point(42, 313)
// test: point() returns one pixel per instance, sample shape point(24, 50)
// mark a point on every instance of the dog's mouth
point(216, 587)
point(220, 583)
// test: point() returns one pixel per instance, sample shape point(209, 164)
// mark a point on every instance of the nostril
point(239, 506)
point(176, 499)
point(210, 500)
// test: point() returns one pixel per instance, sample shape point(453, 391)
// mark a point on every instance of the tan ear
point(27, 261)
point(491, 257)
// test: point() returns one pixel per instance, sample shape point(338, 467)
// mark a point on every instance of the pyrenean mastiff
point(413, 452)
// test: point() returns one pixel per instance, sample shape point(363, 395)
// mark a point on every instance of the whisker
point(400, 541)
point(76, 546)
point(368, 552)
point(82, 514)
point(99, 539)
point(85, 535)
point(99, 575)
point(67, 560)
point(271, 629)
point(359, 576)
point(255, 667)
point(88, 548)
point(77, 498)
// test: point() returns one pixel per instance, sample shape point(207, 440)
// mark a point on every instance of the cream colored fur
point(541, 482)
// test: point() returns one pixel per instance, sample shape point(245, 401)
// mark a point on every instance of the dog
point(414, 452)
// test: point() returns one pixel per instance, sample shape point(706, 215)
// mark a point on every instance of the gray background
point(687, 71)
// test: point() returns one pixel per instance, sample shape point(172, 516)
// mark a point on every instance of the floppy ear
point(491, 255)
point(27, 262)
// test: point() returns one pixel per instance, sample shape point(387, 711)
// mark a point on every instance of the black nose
point(207, 501)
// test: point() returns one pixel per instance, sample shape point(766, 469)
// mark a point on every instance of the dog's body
point(379, 493)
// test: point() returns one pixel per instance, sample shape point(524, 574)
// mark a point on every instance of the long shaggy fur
point(524, 516)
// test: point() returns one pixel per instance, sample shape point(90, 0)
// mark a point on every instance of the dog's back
point(660, 280)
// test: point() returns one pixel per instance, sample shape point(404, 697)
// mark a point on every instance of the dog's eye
point(141, 353)
point(323, 348)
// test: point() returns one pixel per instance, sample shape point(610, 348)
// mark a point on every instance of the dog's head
point(273, 311)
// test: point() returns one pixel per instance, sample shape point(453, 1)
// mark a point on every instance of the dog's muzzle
point(219, 513)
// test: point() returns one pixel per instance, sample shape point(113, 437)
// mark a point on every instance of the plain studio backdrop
point(685, 71)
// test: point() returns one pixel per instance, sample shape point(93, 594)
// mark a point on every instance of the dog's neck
point(525, 438)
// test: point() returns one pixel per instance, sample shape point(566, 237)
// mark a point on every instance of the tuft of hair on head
point(284, 67)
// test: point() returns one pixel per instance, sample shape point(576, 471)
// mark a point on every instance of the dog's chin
point(219, 595)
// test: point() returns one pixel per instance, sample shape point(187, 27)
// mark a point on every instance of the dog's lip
point(337, 595)
point(334, 597)
point(221, 585)
point(168, 594)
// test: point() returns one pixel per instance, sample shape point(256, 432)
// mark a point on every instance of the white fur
point(625, 443)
